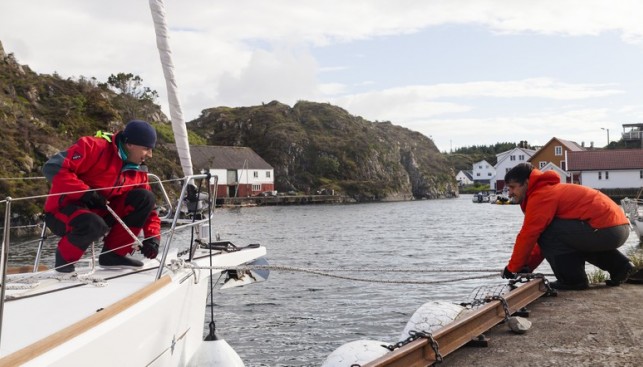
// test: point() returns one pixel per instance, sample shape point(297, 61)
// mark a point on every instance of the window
point(480, 166)
point(256, 187)
point(563, 165)
point(558, 150)
point(512, 157)
point(255, 174)
point(600, 175)
point(641, 173)
point(607, 175)
point(478, 174)
point(268, 174)
point(542, 164)
point(489, 174)
point(521, 157)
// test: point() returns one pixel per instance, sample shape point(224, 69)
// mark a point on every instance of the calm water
point(298, 319)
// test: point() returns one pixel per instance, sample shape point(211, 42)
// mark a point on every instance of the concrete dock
point(602, 326)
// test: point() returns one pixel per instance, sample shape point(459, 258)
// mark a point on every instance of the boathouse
point(240, 171)
point(608, 169)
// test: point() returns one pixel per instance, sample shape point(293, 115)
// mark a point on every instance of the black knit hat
point(139, 132)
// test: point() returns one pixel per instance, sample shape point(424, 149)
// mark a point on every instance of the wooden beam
point(419, 353)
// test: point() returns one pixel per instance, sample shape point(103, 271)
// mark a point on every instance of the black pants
point(568, 243)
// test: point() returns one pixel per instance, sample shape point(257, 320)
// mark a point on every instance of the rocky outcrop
point(317, 146)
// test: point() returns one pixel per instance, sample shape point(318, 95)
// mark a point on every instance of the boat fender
point(357, 352)
point(432, 316)
point(215, 353)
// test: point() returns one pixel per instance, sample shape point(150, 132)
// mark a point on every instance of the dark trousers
point(78, 226)
point(568, 243)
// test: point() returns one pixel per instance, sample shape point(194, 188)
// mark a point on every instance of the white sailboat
point(152, 316)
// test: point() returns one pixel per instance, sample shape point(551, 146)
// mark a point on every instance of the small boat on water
point(633, 209)
point(481, 197)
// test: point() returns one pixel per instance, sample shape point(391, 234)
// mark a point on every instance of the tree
point(131, 85)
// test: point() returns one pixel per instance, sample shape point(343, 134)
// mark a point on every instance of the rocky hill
point(312, 146)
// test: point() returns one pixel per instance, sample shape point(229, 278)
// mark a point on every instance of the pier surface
point(602, 326)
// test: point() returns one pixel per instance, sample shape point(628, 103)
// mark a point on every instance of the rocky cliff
point(316, 146)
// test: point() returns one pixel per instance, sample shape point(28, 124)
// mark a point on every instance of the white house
point(464, 178)
point(608, 169)
point(564, 175)
point(239, 170)
point(483, 172)
point(506, 161)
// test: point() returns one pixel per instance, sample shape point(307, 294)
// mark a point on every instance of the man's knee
point(86, 228)
point(141, 199)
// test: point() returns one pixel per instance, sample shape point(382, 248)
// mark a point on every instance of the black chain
point(505, 305)
point(414, 335)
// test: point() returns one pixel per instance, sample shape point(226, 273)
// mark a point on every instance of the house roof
point(501, 157)
point(225, 157)
point(571, 145)
point(591, 160)
point(468, 174)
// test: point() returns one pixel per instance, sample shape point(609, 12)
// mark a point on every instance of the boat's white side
point(133, 320)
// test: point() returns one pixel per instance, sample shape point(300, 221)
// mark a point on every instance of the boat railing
point(177, 213)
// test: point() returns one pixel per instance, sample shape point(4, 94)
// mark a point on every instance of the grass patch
point(597, 276)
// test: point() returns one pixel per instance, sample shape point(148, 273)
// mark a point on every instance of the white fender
point(356, 352)
point(215, 353)
point(432, 316)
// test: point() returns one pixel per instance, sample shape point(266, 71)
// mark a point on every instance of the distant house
point(506, 161)
point(608, 169)
point(464, 178)
point(483, 172)
point(555, 152)
point(564, 175)
point(240, 171)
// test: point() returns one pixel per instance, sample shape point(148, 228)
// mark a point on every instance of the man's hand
point(150, 248)
point(94, 200)
point(506, 274)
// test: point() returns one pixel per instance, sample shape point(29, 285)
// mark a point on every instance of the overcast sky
point(461, 72)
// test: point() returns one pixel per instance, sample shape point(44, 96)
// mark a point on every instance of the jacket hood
point(538, 179)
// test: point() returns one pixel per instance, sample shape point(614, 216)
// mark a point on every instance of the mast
point(176, 113)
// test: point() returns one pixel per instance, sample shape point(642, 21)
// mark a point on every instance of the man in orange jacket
point(567, 224)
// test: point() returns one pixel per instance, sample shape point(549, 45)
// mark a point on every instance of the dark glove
point(506, 274)
point(150, 248)
point(94, 200)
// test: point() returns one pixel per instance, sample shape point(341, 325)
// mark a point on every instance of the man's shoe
point(63, 266)
point(569, 286)
point(618, 278)
point(112, 259)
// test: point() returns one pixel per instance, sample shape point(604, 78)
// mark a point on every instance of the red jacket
point(546, 199)
point(93, 163)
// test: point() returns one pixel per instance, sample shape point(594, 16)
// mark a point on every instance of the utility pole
point(608, 135)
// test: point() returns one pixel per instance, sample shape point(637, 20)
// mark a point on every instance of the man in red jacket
point(96, 172)
point(568, 225)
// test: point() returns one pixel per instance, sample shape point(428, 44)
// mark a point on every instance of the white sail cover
point(176, 113)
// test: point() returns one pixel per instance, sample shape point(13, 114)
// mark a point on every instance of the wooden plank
point(52, 341)
point(419, 353)
point(25, 269)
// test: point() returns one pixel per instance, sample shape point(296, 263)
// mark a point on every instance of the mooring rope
point(327, 272)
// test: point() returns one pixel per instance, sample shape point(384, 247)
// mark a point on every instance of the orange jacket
point(547, 199)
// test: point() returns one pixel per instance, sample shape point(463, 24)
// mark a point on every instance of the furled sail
point(176, 113)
